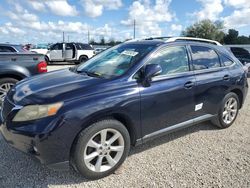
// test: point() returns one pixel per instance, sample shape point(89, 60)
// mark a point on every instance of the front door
point(169, 100)
point(69, 51)
point(56, 52)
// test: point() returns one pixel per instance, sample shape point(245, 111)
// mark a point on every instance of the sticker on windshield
point(129, 53)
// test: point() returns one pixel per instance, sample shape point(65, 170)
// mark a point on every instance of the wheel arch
point(123, 118)
point(15, 76)
point(83, 55)
point(239, 93)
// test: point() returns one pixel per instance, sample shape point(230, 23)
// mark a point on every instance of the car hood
point(53, 87)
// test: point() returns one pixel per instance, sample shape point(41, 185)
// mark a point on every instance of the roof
point(7, 44)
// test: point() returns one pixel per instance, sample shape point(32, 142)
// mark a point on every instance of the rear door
point(212, 80)
point(56, 52)
point(169, 100)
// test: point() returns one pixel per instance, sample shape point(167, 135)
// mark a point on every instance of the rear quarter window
point(80, 46)
point(226, 61)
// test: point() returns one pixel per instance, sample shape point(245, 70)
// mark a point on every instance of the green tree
point(111, 42)
point(231, 37)
point(102, 41)
point(205, 29)
point(92, 41)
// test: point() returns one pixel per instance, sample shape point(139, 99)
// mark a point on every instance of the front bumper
point(50, 148)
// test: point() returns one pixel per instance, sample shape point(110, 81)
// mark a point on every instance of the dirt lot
point(199, 156)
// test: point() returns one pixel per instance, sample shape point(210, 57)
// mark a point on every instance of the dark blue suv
point(90, 115)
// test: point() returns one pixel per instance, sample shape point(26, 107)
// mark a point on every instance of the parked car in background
point(88, 116)
point(243, 56)
point(69, 52)
point(17, 66)
point(40, 48)
point(100, 49)
point(12, 48)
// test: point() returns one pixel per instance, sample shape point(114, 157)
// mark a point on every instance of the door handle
point(189, 85)
point(226, 77)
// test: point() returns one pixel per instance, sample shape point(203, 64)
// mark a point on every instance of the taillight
point(42, 67)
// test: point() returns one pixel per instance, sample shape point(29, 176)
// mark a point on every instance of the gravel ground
point(199, 156)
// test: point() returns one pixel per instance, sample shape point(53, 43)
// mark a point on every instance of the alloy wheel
point(4, 88)
point(230, 110)
point(104, 150)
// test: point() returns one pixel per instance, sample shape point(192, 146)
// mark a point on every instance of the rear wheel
point(101, 149)
point(228, 111)
point(5, 85)
point(46, 58)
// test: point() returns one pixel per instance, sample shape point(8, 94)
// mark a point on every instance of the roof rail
point(172, 39)
point(157, 38)
point(148, 38)
point(135, 39)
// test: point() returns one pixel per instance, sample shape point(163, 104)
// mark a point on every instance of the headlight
point(33, 112)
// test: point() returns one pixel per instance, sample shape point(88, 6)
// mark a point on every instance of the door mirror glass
point(152, 70)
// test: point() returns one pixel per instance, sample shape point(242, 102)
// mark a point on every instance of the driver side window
point(172, 60)
point(57, 46)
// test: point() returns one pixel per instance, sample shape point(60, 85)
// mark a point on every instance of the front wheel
point(101, 149)
point(82, 59)
point(228, 111)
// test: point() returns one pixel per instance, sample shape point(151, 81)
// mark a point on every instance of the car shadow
point(19, 170)
point(205, 126)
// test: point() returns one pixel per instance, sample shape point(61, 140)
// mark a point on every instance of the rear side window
point(81, 46)
point(7, 49)
point(225, 61)
point(69, 46)
point(172, 60)
point(204, 58)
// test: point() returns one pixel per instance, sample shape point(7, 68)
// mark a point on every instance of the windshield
point(115, 61)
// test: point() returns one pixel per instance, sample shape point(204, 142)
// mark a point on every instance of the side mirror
point(150, 71)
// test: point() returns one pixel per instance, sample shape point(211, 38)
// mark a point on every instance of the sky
point(43, 21)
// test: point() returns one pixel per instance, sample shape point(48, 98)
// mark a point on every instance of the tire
point(46, 58)
point(105, 155)
point(83, 58)
point(223, 119)
point(5, 86)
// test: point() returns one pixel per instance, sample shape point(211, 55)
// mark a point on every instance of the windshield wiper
point(91, 74)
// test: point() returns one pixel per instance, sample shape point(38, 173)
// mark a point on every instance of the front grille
point(6, 108)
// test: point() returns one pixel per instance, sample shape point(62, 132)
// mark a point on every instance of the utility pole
point(63, 36)
point(88, 36)
point(134, 28)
